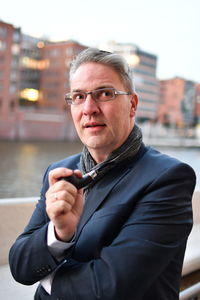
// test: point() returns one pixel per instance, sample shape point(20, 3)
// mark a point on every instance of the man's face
point(102, 127)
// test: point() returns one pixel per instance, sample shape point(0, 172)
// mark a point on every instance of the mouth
point(93, 125)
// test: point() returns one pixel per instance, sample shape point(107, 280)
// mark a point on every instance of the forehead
point(92, 75)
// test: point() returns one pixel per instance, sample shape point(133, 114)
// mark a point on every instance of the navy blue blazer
point(130, 241)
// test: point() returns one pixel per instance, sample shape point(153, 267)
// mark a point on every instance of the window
point(2, 45)
point(15, 49)
point(69, 51)
point(54, 52)
point(12, 105)
point(16, 36)
point(15, 61)
point(3, 32)
point(13, 75)
point(13, 88)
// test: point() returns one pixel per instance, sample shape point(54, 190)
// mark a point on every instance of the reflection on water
point(24, 163)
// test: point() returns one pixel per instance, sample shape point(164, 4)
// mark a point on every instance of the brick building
point(34, 79)
point(31, 65)
point(177, 102)
point(10, 39)
point(33, 82)
point(54, 81)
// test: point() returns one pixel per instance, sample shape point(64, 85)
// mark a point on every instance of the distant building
point(54, 81)
point(31, 65)
point(171, 96)
point(10, 39)
point(144, 67)
point(188, 103)
point(34, 77)
point(33, 82)
point(197, 105)
point(177, 102)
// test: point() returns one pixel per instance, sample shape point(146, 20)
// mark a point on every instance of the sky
point(169, 29)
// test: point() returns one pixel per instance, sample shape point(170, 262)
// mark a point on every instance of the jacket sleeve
point(29, 257)
point(150, 244)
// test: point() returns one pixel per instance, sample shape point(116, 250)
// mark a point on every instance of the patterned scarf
point(127, 150)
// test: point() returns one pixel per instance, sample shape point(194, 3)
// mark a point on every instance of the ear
point(134, 103)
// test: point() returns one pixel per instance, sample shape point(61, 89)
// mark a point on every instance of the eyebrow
point(98, 88)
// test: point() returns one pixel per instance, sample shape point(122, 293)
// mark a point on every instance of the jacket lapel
point(101, 189)
point(97, 195)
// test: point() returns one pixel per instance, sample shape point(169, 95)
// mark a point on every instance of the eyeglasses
point(99, 95)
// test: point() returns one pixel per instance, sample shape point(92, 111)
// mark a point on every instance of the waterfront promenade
point(11, 290)
point(14, 214)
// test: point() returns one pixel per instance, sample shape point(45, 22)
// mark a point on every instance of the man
point(123, 235)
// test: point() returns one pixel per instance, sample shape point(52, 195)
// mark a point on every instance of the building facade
point(177, 102)
point(143, 65)
point(34, 80)
point(197, 105)
point(54, 81)
point(31, 65)
point(10, 40)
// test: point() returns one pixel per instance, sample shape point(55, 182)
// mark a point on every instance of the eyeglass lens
point(99, 95)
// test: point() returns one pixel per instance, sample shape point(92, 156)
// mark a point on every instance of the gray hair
point(112, 60)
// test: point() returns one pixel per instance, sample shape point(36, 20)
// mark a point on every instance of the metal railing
point(191, 293)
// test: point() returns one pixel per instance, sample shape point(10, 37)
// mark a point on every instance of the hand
point(64, 203)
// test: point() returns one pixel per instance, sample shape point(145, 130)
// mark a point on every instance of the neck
point(98, 156)
point(101, 154)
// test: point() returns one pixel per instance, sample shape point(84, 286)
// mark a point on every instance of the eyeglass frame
point(92, 93)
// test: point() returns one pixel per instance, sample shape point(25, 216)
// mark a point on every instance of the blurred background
point(38, 40)
point(159, 40)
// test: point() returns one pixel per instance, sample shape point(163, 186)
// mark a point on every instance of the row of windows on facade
point(14, 62)
point(15, 49)
point(12, 89)
point(13, 74)
point(151, 92)
point(16, 35)
point(148, 73)
point(69, 51)
point(142, 68)
point(34, 52)
point(147, 64)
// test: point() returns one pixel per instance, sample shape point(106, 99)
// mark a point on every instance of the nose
point(90, 106)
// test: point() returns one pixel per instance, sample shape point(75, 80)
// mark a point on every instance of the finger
point(58, 209)
point(55, 193)
point(55, 174)
point(65, 196)
point(78, 173)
